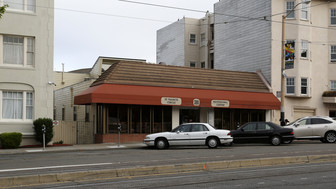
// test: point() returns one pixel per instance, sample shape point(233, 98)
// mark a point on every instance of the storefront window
point(135, 124)
point(157, 126)
point(145, 119)
point(167, 118)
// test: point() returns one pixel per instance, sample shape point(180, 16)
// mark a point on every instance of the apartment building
point(26, 65)
point(248, 37)
point(187, 42)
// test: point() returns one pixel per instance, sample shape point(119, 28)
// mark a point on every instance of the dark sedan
point(256, 132)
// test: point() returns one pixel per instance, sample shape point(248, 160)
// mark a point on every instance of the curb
point(165, 169)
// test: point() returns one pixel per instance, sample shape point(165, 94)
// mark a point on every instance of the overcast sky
point(87, 29)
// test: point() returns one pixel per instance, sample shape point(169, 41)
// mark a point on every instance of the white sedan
point(190, 134)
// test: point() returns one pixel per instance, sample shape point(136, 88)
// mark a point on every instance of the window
point(305, 122)
point(304, 85)
point(290, 85)
point(333, 85)
point(87, 113)
point(304, 49)
point(63, 114)
point(192, 39)
point(290, 7)
point(29, 105)
point(21, 5)
point(75, 113)
point(304, 11)
point(202, 64)
point(250, 127)
point(203, 41)
point(320, 121)
point(198, 128)
point(333, 53)
point(13, 103)
point(192, 64)
point(333, 16)
point(30, 51)
point(13, 50)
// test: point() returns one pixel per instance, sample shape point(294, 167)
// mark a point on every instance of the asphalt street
point(72, 161)
point(309, 176)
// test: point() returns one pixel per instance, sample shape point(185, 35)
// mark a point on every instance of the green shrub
point(10, 140)
point(38, 124)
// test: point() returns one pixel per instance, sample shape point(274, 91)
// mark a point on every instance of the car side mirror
point(242, 129)
point(296, 124)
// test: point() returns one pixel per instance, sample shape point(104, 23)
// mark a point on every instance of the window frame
point(304, 87)
point(192, 39)
point(333, 85)
point(292, 86)
point(304, 49)
point(28, 50)
point(304, 10)
point(192, 63)
point(26, 6)
point(333, 17)
point(27, 107)
point(289, 5)
point(203, 39)
point(333, 53)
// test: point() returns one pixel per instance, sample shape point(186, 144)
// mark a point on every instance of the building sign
point(220, 103)
point(196, 102)
point(171, 101)
point(289, 54)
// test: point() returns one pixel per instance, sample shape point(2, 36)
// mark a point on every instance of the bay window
point(21, 5)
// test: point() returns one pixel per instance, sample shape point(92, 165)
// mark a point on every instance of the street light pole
point(283, 78)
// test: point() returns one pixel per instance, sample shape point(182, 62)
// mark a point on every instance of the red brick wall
point(124, 138)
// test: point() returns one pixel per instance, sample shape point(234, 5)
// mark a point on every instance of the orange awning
point(153, 95)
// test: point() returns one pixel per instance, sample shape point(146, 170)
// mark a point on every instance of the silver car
point(190, 134)
point(315, 127)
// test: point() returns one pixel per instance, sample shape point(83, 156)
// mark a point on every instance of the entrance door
point(189, 115)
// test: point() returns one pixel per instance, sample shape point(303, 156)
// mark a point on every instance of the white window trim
point(24, 105)
point(25, 52)
point(190, 39)
point(286, 10)
point(333, 61)
point(331, 85)
point(290, 85)
point(304, 9)
point(331, 16)
point(25, 8)
point(307, 43)
point(307, 92)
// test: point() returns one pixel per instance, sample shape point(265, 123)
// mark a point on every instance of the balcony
point(329, 97)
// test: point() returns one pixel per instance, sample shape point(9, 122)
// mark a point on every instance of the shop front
point(140, 110)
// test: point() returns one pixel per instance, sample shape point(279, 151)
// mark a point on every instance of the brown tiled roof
point(138, 73)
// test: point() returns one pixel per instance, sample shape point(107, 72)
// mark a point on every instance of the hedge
point(10, 140)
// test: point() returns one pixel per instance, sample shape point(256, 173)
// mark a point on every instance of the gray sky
point(87, 29)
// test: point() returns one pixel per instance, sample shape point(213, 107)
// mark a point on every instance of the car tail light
point(229, 134)
point(292, 133)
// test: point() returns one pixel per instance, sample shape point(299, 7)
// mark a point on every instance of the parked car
point(315, 127)
point(256, 132)
point(190, 134)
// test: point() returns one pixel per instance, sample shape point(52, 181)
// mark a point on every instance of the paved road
point(56, 162)
point(308, 176)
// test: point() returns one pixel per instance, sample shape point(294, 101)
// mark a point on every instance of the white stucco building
point(247, 36)
point(26, 65)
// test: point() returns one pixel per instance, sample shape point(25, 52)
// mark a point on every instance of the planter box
point(329, 100)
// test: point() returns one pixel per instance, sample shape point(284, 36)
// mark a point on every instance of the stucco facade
point(248, 37)
point(26, 66)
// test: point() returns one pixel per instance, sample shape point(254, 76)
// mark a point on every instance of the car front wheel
point(275, 140)
point(212, 142)
point(330, 137)
point(161, 143)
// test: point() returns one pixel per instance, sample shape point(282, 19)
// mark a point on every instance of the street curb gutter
point(164, 169)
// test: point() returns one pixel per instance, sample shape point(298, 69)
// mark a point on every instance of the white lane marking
point(261, 183)
point(304, 178)
point(53, 167)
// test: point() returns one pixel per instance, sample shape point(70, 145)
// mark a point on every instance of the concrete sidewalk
point(76, 147)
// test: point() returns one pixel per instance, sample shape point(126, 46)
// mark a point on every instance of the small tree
point(3, 10)
point(38, 125)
